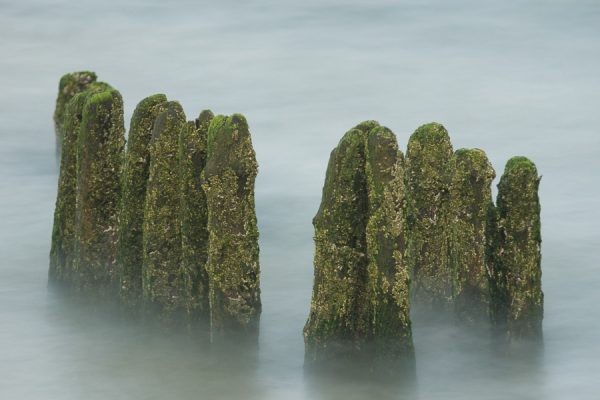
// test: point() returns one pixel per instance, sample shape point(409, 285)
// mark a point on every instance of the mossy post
point(99, 156)
point(385, 238)
point(359, 307)
point(427, 182)
point(470, 200)
point(337, 324)
point(68, 87)
point(62, 250)
point(519, 300)
point(194, 214)
point(233, 264)
point(163, 281)
point(134, 180)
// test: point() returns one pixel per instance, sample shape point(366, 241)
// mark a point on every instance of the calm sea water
point(513, 78)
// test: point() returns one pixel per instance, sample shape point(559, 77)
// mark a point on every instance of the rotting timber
point(136, 169)
point(515, 250)
point(167, 227)
point(360, 304)
point(233, 264)
point(470, 202)
point(163, 280)
point(427, 183)
point(193, 141)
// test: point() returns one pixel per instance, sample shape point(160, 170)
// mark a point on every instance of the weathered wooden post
point(99, 155)
point(136, 169)
point(470, 200)
point(163, 280)
point(233, 264)
point(427, 183)
point(62, 252)
point(385, 236)
point(516, 252)
point(194, 215)
point(360, 305)
point(338, 321)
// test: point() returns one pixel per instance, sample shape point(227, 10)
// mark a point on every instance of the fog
point(512, 78)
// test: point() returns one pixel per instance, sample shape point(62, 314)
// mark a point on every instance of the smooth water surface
point(511, 77)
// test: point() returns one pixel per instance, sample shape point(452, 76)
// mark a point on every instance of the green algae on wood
point(68, 87)
point(99, 155)
point(391, 333)
point(133, 198)
point(470, 200)
point(194, 214)
point(427, 183)
point(516, 252)
point(63, 231)
point(338, 321)
point(233, 253)
point(359, 306)
point(163, 281)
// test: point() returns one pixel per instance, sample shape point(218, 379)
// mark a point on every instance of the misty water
point(513, 78)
